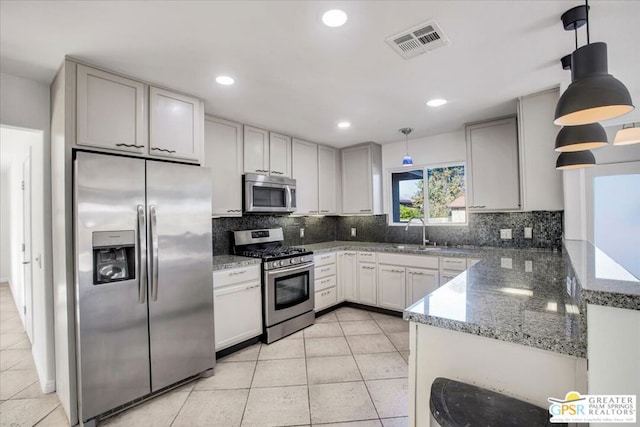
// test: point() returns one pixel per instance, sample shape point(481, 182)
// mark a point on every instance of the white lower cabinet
point(347, 276)
point(420, 282)
point(325, 281)
point(367, 283)
point(237, 306)
point(325, 298)
point(391, 287)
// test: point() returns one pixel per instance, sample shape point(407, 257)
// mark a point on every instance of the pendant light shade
point(594, 95)
point(575, 160)
point(407, 160)
point(580, 138)
point(627, 135)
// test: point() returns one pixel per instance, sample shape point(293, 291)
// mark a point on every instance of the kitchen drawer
point(325, 283)
point(236, 275)
point(324, 299)
point(367, 256)
point(459, 264)
point(419, 261)
point(324, 271)
point(324, 259)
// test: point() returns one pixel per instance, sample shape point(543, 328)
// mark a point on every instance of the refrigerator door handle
point(142, 256)
point(154, 253)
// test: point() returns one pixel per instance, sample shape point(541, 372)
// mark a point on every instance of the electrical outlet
point(506, 263)
point(505, 233)
point(528, 266)
point(528, 232)
point(353, 232)
point(301, 232)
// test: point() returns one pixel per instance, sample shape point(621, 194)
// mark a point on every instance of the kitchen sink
point(417, 248)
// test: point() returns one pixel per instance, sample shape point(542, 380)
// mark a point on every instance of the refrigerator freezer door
point(181, 272)
point(111, 316)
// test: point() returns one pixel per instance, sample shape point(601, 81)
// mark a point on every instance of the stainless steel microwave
point(268, 194)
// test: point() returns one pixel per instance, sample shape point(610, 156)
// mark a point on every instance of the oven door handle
point(300, 267)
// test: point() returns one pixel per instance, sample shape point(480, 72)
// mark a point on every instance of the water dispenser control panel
point(113, 256)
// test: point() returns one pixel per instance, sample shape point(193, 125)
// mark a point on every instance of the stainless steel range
point(287, 281)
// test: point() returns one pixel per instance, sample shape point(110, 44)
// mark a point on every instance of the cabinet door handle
point(236, 273)
point(325, 269)
point(324, 210)
point(129, 145)
point(278, 172)
point(365, 210)
point(163, 150)
point(368, 268)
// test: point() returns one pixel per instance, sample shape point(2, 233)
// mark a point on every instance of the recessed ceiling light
point(344, 125)
point(225, 80)
point(436, 102)
point(334, 18)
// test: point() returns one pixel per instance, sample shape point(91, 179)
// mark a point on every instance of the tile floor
point(348, 369)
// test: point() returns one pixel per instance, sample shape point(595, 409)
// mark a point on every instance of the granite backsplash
point(483, 230)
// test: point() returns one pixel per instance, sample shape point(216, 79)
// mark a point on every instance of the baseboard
point(48, 386)
point(361, 307)
point(4, 280)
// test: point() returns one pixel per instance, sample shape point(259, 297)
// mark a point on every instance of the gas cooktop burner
point(277, 252)
point(267, 245)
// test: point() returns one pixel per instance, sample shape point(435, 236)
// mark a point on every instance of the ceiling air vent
point(419, 39)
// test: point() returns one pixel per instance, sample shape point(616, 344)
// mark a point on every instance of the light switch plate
point(528, 266)
point(528, 232)
point(505, 233)
point(353, 232)
point(301, 232)
point(506, 263)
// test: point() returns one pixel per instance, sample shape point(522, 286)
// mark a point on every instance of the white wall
point(5, 254)
point(24, 104)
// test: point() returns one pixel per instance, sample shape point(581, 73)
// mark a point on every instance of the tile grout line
point(48, 413)
point(253, 375)
point(306, 368)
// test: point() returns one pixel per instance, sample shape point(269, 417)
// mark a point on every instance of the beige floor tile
point(26, 412)
point(331, 403)
point(278, 373)
point(396, 422)
point(348, 313)
point(227, 376)
point(12, 382)
point(26, 363)
point(318, 330)
point(212, 408)
point(245, 355)
point(9, 339)
point(382, 365)
point(23, 344)
point(56, 418)
point(9, 358)
point(32, 392)
point(277, 406)
point(393, 324)
point(400, 340)
point(329, 317)
point(390, 397)
point(362, 344)
point(405, 355)
point(323, 370)
point(377, 316)
point(360, 327)
point(331, 346)
point(368, 423)
point(159, 411)
point(283, 349)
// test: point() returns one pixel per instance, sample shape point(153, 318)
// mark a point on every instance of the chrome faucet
point(424, 228)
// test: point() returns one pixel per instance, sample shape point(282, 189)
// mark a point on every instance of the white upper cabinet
point(256, 150)
point(541, 182)
point(492, 165)
point(279, 155)
point(305, 172)
point(176, 125)
point(110, 111)
point(362, 179)
point(223, 154)
point(327, 179)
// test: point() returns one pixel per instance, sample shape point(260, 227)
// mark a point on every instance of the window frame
point(425, 174)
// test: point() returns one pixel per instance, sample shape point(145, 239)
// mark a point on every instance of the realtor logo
point(577, 408)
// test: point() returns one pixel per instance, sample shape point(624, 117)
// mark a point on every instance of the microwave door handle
point(154, 252)
point(142, 256)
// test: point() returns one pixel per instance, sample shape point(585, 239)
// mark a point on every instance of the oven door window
point(269, 197)
point(291, 290)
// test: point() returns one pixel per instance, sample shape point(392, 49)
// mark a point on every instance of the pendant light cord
point(586, 2)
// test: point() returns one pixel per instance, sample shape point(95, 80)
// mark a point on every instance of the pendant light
point(407, 161)
point(580, 138)
point(575, 160)
point(594, 95)
point(629, 134)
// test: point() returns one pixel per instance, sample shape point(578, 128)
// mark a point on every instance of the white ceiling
point(299, 77)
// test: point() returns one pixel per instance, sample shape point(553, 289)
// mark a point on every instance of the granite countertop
point(603, 281)
point(513, 295)
point(223, 262)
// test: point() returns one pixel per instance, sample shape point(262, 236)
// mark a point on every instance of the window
point(444, 192)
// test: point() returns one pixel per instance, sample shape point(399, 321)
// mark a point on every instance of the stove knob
point(282, 263)
point(293, 260)
point(303, 259)
point(274, 264)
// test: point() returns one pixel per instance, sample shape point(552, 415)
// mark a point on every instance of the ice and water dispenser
point(113, 256)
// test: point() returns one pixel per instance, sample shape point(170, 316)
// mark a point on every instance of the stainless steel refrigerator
point(143, 279)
